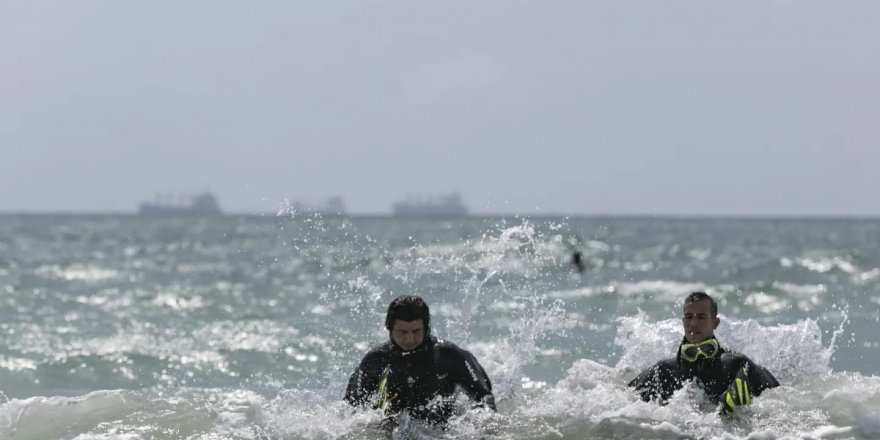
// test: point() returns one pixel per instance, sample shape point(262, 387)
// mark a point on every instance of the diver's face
point(698, 322)
point(408, 334)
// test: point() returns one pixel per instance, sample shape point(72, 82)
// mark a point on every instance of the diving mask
point(705, 349)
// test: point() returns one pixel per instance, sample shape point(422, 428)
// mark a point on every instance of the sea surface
point(248, 327)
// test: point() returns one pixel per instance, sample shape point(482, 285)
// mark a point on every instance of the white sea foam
point(805, 296)
point(17, 364)
point(801, 290)
point(78, 272)
point(766, 303)
point(178, 302)
point(59, 417)
point(663, 290)
point(666, 290)
point(867, 276)
point(519, 250)
point(820, 264)
point(583, 292)
point(303, 414)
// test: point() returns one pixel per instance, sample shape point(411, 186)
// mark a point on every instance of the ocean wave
point(591, 400)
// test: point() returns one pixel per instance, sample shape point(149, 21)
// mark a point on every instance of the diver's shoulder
point(445, 346)
point(662, 373)
point(732, 354)
point(380, 350)
point(735, 358)
point(663, 366)
point(667, 364)
point(670, 362)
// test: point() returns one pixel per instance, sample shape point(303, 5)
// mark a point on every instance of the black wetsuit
point(715, 375)
point(416, 378)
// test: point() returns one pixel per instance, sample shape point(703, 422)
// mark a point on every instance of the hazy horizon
point(737, 109)
point(286, 211)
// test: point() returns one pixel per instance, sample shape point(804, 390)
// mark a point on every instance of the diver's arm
point(657, 382)
point(750, 381)
point(760, 378)
point(646, 383)
point(364, 382)
point(473, 379)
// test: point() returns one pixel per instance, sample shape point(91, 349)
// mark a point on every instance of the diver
point(415, 372)
point(727, 377)
point(577, 262)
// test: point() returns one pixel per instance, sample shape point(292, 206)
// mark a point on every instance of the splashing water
point(249, 327)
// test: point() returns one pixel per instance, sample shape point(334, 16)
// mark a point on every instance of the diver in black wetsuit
point(727, 377)
point(416, 372)
point(577, 262)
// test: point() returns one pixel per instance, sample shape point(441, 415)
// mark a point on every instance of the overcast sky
point(585, 107)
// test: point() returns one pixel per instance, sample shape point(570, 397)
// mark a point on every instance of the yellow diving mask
point(706, 349)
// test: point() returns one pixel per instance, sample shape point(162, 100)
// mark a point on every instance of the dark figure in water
point(415, 372)
point(577, 262)
point(727, 377)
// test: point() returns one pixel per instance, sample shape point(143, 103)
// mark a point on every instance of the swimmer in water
point(415, 372)
point(727, 377)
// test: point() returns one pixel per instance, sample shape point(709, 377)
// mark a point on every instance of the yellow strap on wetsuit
point(737, 394)
point(383, 399)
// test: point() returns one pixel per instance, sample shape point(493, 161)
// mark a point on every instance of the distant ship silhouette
point(204, 204)
point(449, 205)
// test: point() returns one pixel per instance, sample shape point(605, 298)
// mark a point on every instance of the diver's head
point(700, 318)
point(408, 320)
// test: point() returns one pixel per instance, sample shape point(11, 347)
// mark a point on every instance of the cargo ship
point(450, 205)
point(204, 204)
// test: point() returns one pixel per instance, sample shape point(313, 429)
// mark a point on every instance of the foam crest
point(57, 417)
point(789, 350)
point(668, 290)
point(311, 415)
point(820, 264)
point(513, 250)
point(663, 290)
point(766, 303)
point(574, 395)
point(644, 342)
point(592, 401)
point(17, 364)
point(78, 272)
point(188, 413)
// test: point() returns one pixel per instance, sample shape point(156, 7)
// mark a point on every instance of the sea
point(248, 327)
